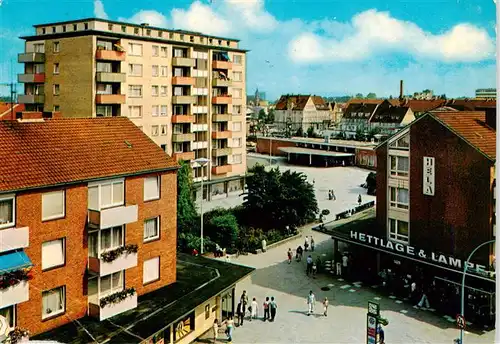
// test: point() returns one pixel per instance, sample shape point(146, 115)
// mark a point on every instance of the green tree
point(300, 132)
point(371, 95)
point(270, 117)
point(226, 230)
point(262, 117)
point(187, 217)
point(371, 183)
point(310, 132)
point(359, 96)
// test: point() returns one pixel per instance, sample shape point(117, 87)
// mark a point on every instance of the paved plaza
point(347, 312)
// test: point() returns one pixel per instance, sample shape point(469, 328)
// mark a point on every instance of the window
point(237, 76)
point(154, 90)
point(163, 71)
point(135, 69)
point(7, 210)
point(177, 91)
point(178, 72)
point(164, 51)
point(163, 110)
point(56, 89)
point(135, 111)
point(154, 70)
point(236, 126)
point(163, 91)
point(237, 92)
point(57, 108)
point(136, 30)
point(163, 147)
point(135, 49)
point(9, 313)
point(39, 47)
point(148, 32)
point(152, 187)
point(86, 26)
point(237, 142)
point(154, 130)
point(191, 39)
point(124, 28)
point(152, 229)
point(237, 59)
point(398, 230)
point(103, 67)
point(399, 198)
point(53, 302)
point(219, 41)
point(164, 130)
point(403, 143)
point(210, 40)
point(56, 68)
point(43, 30)
point(237, 109)
point(135, 91)
point(75, 27)
point(154, 110)
point(160, 34)
point(111, 284)
point(110, 27)
point(104, 89)
point(53, 205)
point(178, 53)
point(53, 29)
point(56, 47)
point(106, 194)
point(53, 253)
point(181, 37)
point(151, 270)
point(237, 159)
point(156, 50)
point(399, 166)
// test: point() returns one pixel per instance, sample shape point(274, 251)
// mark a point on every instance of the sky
point(323, 47)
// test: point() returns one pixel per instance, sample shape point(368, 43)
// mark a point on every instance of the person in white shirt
point(253, 312)
point(306, 243)
point(311, 299)
point(216, 329)
point(345, 262)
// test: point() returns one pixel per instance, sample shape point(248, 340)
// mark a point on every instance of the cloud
point(373, 32)
point(200, 17)
point(252, 14)
point(151, 17)
point(99, 10)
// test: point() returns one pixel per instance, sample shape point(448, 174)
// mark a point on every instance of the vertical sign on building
point(429, 182)
point(372, 322)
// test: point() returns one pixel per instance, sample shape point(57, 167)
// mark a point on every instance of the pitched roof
point(354, 108)
point(417, 105)
point(5, 110)
point(471, 127)
point(60, 151)
point(299, 102)
point(320, 103)
point(388, 113)
point(470, 104)
point(393, 101)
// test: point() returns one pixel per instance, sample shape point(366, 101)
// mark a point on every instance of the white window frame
point(106, 182)
point(236, 127)
point(237, 161)
point(237, 59)
point(163, 113)
point(12, 325)
point(163, 71)
point(135, 69)
point(237, 76)
point(130, 107)
point(13, 198)
point(163, 52)
point(57, 89)
point(132, 90)
point(155, 50)
point(131, 50)
point(155, 110)
point(146, 281)
point(155, 70)
point(56, 216)
point(163, 130)
point(56, 68)
point(63, 306)
point(396, 236)
point(163, 90)
point(99, 233)
point(237, 93)
point(113, 289)
point(157, 235)
point(158, 191)
point(57, 47)
point(155, 90)
point(396, 202)
point(155, 130)
point(237, 142)
point(59, 264)
point(396, 172)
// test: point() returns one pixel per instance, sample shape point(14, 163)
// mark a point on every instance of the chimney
point(401, 89)
point(490, 116)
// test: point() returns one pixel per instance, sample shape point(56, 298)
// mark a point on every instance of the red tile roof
point(471, 127)
point(423, 105)
point(60, 151)
point(299, 102)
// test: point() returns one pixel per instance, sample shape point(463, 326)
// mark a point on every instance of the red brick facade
point(366, 158)
point(264, 143)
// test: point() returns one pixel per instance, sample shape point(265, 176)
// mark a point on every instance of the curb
point(278, 243)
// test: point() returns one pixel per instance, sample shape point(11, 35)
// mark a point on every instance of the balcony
point(110, 77)
point(217, 135)
point(217, 152)
point(112, 309)
point(221, 118)
point(182, 119)
point(31, 78)
point(183, 80)
point(183, 99)
point(112, 217)
point(16, 294)
point(123, 262)
point(31, 99)
point(222, 65)
point(183, 156)
point(227, 99)
point(221, 83)
point(110, 55)
point(221, 169)
point(182, 62)
point(183, 137)
point(14, 238)
point(31, 58)
point(110, 99)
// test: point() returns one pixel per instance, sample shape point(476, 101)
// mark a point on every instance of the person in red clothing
point(195, 252)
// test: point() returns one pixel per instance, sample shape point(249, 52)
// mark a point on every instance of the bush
point(224, 230)
point(273, 236)
point(250, 239)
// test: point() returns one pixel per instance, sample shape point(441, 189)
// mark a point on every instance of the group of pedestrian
point(331, 195)
point(306, 244)
point(311, 301)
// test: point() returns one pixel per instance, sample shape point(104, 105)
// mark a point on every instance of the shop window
point(398, 230)
point(399, 165)
point(399, 198)
point(227, 304)
point(184, 327)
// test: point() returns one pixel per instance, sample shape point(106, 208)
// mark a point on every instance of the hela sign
point(411, 251)
point(429, 180)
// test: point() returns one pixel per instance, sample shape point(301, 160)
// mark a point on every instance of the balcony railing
point(222, 99)
point(221, 134)
point(217, 152)
point(182, 119)
point(183, 99)
point(110, 99)
point(31, 58)
point(183, 80)
point(110, 77)
point(112, 309)
point(222, 64)
point(112, 217)
point(183, 62)
point(221, 118)
point(183, 137)
point(14, 238)
point(221, 169)
point(15, 294)
point(110, 55)
point(186, 156)
point(31, 99)
point(122, 262)
point(31, 78)
point(221, 83)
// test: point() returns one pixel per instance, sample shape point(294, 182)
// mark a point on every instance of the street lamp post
point(463, 284)
point(203, 162)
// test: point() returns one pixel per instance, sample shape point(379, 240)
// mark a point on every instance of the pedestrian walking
point(215, 329)
point(306, 243)
point(314, 270)
point(312, 244)
point(423, 300)
point(311, 299)
point(266, 309)
point(229, 329)
point(253, 309)
point(345, 262)
point(289, 254)
point(309, 265)
point(273, 306)
point(299, 253)
point(244, 300)
point(333, 196)
point(381, 334)
point(330, 195)
point(240, 314)
point(325, 307)
point(359, 199)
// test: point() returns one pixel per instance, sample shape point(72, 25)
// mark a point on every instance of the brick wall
point(364, 157)
point(263, 144)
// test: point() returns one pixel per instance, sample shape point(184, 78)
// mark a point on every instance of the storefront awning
point(14, 261)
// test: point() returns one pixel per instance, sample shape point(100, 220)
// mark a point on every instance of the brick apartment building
point(185, 90)
point(72, 190)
